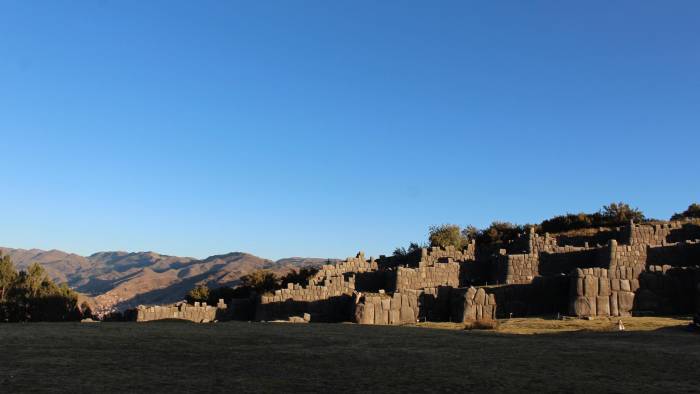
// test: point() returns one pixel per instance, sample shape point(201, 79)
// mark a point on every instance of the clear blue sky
point(319, 128)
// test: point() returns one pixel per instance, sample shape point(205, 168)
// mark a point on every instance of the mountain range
point(122, 280)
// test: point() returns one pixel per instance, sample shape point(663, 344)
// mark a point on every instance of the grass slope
point(236, 356)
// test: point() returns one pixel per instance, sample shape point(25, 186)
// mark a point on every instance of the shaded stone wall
point(196, 313)
point(678, 254)
point(350, 265)
point(472, 304)
point(594, 237)
point(602, 292)
point(668, 290)
point(404, 307)
point(326, 302)
point(516, 268)
point(627, 255)
point(398, 308)
point(545, 295)
point(574, 257)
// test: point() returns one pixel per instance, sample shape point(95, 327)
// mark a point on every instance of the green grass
point(228, 357)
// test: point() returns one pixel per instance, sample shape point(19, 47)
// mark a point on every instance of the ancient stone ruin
point(198, 313)
point(635, 269)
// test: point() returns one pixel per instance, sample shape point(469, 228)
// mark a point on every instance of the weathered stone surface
point(603, 306)
point(470, 312)
point(480, 298)
point(625, 302)
point(471, 293)
point(604, 287)
point(581, 307)
point(386, 303)
point(625, 285)
point(368, 315)
point(394, 316)
point(579, 284)
point(379, 316)
point(590, 286)
point(407, 315)
point(613, 304)
point(615, 284)
point(593, 302)
point(634, 285)
point(492, 300)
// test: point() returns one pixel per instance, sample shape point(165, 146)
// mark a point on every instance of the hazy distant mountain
point(122, 280)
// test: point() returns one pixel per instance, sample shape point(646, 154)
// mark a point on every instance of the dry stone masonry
point(198, 313)
point(607, 272)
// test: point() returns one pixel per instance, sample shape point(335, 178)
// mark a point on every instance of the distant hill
point(121, 280)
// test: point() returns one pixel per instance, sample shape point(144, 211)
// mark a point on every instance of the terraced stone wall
point(327, 302)
point(439, 274)
point(516, 268)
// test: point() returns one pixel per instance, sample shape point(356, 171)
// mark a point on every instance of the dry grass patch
point(535, 325)
point(540, 325)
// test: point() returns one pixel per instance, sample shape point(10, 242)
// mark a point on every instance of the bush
point(260, 281)
point(301, 276)
point(499, 232)
point(693, 212)
point(617, 214)
point(447, 235)
point(412, 247)
point(198, 294)
point(613, 215)
point(559, 224)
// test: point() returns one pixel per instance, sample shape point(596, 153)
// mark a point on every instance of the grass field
point(236, 356)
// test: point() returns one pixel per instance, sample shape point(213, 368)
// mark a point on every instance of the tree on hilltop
point(693, 212)
point(447, 235)
point(261, 281)
point(621, 213)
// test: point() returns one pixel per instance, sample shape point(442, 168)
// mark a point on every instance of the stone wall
point(592, 237)
point(634, 255)
point(198, 313)
point(563, 262)
point(662, 233)
point(678, 254)
point(398, 308)
point(602, 292)
point(532, 275)
point(405, 307)
point(516, 268)
point(429, 256)
point(545, 295)
point(439, 274)
point(434, 255)
point(326, 302)
point(668, 290)
point(350, 265)
point(472, 304)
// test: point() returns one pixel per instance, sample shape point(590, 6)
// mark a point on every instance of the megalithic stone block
point(603, 306)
